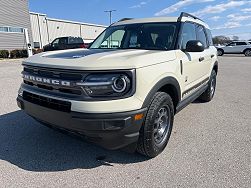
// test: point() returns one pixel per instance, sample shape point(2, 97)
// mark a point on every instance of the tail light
point(82, 45)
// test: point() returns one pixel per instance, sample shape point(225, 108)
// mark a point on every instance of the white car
point(237, 47)
point(124, 91)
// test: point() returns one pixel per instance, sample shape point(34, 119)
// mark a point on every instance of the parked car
point(236, 47)
point(124, 91)
point(63, 43)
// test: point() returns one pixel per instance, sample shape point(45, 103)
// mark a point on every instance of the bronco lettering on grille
point(47, 80)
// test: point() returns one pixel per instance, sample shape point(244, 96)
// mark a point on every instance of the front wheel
point(157, 127)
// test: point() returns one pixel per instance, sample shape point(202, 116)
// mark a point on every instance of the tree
point(221, 40)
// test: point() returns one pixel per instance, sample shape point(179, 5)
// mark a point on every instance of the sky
point(225, 17)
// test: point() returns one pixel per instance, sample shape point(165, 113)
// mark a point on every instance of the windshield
point(149, 36)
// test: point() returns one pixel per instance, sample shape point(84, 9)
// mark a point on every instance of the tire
point(157, 127)
point(220, 52)
point(208, 95)
point(247, 52)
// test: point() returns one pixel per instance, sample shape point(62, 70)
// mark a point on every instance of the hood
point(100, 59)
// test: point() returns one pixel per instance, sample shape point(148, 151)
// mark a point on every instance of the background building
point(15, 17)
point(45, 30)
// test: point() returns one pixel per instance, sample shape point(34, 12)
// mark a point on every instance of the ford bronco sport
point(124, 91)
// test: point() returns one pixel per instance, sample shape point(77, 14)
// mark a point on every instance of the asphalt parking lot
point(210, 145)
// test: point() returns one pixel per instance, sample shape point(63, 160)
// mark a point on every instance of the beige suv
point(124, 91)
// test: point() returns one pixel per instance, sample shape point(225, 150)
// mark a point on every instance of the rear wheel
point(208, 95)
point(157, 127)
point(247, 52)
point(220, 52)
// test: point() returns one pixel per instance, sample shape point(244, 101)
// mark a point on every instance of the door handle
point(201, 59)
point(212, 56)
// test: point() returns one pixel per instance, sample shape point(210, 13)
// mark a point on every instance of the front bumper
point(111, 131)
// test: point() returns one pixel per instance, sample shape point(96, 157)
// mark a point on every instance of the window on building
point(11, 29)
point(16, 30)
point(3, 29)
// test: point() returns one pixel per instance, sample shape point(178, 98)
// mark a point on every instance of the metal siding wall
point(36, 22)
point(10, 41)
point(14, 13)
point(91, 32)
point(34, 28)
point(62, 29)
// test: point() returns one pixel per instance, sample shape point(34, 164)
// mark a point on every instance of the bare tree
point(221, 40)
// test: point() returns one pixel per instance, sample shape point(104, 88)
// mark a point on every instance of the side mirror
point(195, 46)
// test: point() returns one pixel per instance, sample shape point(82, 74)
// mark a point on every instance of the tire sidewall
point(213, 76)
point(155, 148)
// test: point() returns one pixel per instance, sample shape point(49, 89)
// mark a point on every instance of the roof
point(160, 19)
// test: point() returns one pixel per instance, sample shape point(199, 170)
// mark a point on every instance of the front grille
point(54, 104)
point(53, 73)
point(74, 76)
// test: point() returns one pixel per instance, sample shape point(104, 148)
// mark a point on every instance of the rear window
point(75, 40)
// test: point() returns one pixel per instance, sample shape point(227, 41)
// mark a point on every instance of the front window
point(149, 36)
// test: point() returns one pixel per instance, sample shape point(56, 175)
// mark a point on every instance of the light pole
point(110, 13)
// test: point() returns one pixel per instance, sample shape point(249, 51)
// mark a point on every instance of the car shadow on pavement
point(33, 147)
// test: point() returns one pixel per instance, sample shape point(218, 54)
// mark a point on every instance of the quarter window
point(188, 33)
point(201, 36)
point(3, 29)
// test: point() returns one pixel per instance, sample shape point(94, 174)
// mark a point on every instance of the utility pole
point(110, 13)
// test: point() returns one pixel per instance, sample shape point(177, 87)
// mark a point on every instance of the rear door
point(206, 57)
point(240, 47)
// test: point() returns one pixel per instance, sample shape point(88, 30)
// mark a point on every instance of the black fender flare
point(165, 81)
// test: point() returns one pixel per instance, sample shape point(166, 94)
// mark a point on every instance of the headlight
point(108, 84)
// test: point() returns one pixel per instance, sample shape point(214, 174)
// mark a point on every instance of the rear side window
point(241, 43)
point(188, 33)
point(209, 37)
point(201, 35)
point(75, 40)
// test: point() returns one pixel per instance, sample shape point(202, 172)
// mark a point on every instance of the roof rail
point(125, 19)
point(184, 14)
